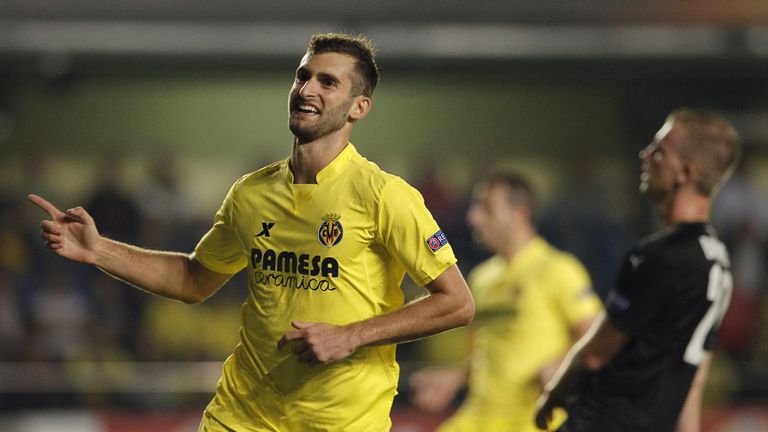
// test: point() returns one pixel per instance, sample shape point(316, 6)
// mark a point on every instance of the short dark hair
point(711, 142)
point(357, 46)
point(519, 188)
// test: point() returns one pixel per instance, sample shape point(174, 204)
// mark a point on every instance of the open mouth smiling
point(306, 109)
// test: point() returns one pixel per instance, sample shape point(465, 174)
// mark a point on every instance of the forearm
point(547, 372)
point(690, 415)
point(166, 274)
point(449, 305)
point(578, 330)
point(589, 354)
point(433, 314)
point(567, 382)
point(568, 379)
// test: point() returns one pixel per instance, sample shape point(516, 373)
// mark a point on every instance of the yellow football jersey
point(525, 308)
point(333, 252)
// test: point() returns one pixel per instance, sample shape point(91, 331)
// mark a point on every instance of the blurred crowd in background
point(61, 314)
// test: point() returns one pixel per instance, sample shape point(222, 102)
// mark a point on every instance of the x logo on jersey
point(265, 227)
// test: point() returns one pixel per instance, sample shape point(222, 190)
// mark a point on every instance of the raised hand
point(71, 234)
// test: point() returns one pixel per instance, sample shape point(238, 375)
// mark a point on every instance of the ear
point(689, 173)
point(360, 108)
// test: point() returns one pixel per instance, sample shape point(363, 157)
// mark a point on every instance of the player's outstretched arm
point(449, 305)
point(73, 235)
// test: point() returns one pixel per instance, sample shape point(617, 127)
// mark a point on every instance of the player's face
point(662, 166)
point(320, 99)
point(491, 216)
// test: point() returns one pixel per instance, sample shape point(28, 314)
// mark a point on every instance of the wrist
point(95, 256)
point(354, 335)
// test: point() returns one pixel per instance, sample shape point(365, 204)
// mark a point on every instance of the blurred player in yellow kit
point(326, 238)
point(533, 301)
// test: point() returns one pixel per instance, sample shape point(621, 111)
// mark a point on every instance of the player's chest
point(501, 287)
point(329, 222)
point(498, 297)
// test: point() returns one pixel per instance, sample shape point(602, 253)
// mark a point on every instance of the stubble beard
point(329, 122)
point(655, 193)
point(647, 187)
point(647, 190)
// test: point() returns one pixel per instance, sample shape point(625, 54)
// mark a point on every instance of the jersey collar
point(338, 165)
point(528, 253)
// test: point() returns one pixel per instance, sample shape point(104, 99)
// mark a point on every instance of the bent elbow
point(467, 317)
point(192, 300)
point(466, 313)
point(191, 295)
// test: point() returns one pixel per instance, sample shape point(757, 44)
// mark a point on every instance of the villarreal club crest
point(330, 232)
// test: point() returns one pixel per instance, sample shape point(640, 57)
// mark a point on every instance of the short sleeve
point(410, 234)
point(220, 249)
point(638, 294)
point(577, 299)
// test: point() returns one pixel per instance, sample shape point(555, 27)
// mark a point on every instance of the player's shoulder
point(679, 247)
point(265, 174)
point(672, 241)
point(488, 269)
point(491, 264)
point(365, 173)
point(557, 262)
point(365, 168)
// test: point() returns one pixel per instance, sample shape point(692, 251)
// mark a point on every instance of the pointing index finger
point(45, 206)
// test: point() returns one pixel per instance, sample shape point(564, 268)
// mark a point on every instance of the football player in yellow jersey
point(532, 302)
point(326, 238)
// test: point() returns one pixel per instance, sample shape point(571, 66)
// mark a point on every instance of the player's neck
point(516, 242)
point(307, 159)
point(686, 206)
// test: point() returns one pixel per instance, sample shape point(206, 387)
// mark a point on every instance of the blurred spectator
point(447, 207)
point(11, 325)
point(110, 203)
point(116, 311)
point(58, 315)
point(165, 208)
point(15, 260)
point(439, 196)
point(115, 308)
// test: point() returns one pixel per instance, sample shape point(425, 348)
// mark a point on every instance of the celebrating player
point(326, 238)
